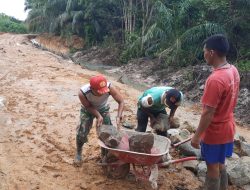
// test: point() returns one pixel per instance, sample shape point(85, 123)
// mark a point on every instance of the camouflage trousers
point(86, 122)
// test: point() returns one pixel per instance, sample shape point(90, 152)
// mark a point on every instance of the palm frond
point(64, 19)
point(197, 34)
point(163, 16)
point(152, 33)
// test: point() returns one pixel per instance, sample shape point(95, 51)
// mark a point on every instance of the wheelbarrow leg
point(154, 176)
point(103, 152)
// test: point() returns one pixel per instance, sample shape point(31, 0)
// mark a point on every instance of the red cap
point(99, 83)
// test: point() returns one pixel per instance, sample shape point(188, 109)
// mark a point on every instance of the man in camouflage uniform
point(94, 97)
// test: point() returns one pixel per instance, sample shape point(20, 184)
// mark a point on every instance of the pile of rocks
point(238, 166)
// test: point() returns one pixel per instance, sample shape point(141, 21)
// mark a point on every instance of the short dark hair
point(173, 93)
point(218, 43)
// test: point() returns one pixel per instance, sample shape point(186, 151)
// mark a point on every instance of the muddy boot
point(78, 157)
point(212, 183)
point(223, 180)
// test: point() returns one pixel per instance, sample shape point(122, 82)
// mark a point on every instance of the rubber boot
point(212, 183)
point(223, 179)
point(78, 157)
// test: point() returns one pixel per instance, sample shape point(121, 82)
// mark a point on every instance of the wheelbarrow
point(116, 162)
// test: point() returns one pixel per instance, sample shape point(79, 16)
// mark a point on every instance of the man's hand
point(118, 121)
point(195, 142)
point(171, 121)
point(153, 121)
point(99, 121)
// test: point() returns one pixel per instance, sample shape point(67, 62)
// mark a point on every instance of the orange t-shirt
point(221, 92)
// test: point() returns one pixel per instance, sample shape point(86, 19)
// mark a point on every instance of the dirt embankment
point(38, 121)
point(60, 45)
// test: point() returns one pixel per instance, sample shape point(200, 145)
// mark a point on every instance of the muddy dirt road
point(38, 121)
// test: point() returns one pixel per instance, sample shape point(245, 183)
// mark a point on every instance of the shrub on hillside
point(10, 24)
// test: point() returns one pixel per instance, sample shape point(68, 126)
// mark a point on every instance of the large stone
point(2, 102)
point(162, 123)
point(245, 148)
point(238, 138)
point(175, 123)
point(239, 171)
point(174, 135)
point(184, 134)
point(246, 187)
point(128, 125)
point(77, 55)
point(202, 171)
point(189, 127)
point(141, 143)
point(191, 165)
point(233, 157)
point(109, 135)
point(173, 132)
point(179, 136)
point(241, 147)
point(187, 150)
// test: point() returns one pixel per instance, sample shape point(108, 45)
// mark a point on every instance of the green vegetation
point(10, 24)
point(172, 30)
point(244, 65)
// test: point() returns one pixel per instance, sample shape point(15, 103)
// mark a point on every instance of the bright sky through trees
point(13, 8)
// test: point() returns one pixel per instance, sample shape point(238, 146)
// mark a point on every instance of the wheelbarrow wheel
point(117, 171)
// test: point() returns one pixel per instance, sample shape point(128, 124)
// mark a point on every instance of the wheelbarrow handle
point(182, 142)
point(165, 164)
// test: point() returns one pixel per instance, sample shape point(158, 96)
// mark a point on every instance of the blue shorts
point(216, 153)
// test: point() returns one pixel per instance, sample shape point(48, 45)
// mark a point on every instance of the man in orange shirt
point(215, 133)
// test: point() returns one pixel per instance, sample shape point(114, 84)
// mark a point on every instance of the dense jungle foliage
point(172, 30)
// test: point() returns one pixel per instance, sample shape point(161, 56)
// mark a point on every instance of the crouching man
point(153, 102)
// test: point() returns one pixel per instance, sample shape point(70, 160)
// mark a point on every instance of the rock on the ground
point(189, 127)
point(141, 143)
point(245, 147)
point(237, 144)
point(173, 132)
point(246, 187)
point(238, 138)
point(77, 54)
point(241, 147)
point(2, 102)
point(184, 134)
point(174, 135)
point(177, 135)
point(187, 150)
point(191, 165)
point(162, 123)
point(128, 125)
point(109, 135)
point(175, 124)
point(239, 171)
point(202, 171)
point(233, 157)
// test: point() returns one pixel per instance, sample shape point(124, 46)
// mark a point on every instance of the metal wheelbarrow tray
point(161, 147)
point(116, 161)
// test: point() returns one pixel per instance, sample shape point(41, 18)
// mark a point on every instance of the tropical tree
point(172, 30)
